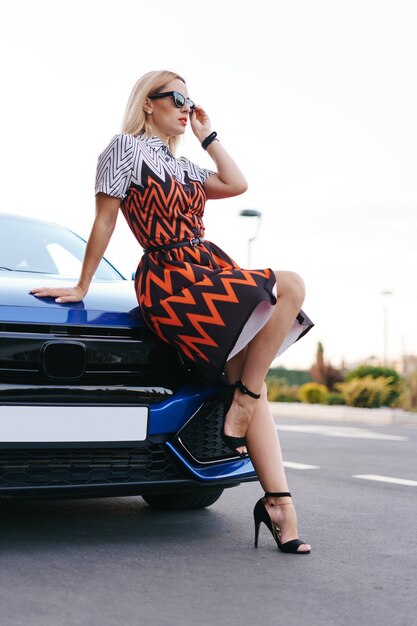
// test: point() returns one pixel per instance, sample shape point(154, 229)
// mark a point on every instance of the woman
point(222, 318)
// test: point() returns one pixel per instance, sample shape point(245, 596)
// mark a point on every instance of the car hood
point(108, 303)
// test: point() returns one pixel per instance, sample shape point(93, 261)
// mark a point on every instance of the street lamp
point(385, 294)
point(251, 213)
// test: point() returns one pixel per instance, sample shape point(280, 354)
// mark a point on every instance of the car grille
point(37, 354)
point(84, 466)
point(201, 436)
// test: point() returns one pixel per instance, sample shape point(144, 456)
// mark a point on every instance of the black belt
point(194, 241)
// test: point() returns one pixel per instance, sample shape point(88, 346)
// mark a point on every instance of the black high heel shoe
point(227, 397)
point(260, 514)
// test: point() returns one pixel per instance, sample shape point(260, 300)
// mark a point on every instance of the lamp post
point(385, 295)
point(258, 215)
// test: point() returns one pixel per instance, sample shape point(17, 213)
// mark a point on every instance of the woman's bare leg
point(261, 351)
point(265, 453)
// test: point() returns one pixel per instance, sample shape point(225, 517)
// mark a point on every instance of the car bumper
point(183, 451)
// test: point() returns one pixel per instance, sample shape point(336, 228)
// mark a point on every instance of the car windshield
point(46, 248)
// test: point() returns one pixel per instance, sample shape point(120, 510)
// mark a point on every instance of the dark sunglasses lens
point(179, 99)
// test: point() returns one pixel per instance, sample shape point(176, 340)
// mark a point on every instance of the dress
point(195, 298)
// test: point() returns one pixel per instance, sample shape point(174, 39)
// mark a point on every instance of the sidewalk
point(383, 415)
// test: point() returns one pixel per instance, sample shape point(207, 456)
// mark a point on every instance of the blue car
point(92, 403)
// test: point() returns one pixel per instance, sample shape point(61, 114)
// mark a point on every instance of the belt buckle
point(194, 241)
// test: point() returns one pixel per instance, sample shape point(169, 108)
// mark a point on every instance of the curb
point(384, 415)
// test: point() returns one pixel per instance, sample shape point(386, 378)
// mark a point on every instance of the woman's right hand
point(61, 294)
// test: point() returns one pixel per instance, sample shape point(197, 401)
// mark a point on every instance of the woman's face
point(168, 120)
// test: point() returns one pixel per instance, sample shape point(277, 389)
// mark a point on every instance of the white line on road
point(387, 479)
point(299, 466)
point(348, 432)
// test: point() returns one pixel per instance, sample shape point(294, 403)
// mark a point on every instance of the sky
point(315, 100)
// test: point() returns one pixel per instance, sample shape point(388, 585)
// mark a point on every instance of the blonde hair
point(135, 120)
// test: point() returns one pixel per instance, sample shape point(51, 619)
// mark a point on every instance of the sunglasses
point(178, 98)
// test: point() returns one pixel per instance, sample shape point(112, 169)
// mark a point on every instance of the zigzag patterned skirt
point(200, 301)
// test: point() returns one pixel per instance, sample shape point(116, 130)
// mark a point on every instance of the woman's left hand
point(200, 123)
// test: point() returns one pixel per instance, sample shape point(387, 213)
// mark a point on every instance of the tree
point(324, 373)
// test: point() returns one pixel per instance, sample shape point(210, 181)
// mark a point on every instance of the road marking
point(299, 466)
point(387, 479)
point(348, 432)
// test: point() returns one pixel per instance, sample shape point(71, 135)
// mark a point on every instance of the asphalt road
point(116, 562)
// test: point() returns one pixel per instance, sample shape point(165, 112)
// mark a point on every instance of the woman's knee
point(291, 285)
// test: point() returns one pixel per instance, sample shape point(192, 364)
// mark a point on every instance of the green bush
point(395, 385)
point(372, 370)
point(408, 397)
point(367, 392)
point(289, 377)
point(280, 391)
point(335, 398)
point(313, 393)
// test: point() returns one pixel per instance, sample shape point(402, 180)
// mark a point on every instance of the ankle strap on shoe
point(283, 494)
point(243, 389)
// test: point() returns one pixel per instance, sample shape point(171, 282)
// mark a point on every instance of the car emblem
point(64, 359)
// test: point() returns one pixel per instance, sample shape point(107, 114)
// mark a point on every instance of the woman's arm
point(106, 215)
point(229, 180)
